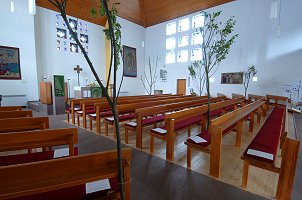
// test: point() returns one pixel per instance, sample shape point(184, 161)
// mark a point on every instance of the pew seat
point(262, 151)
point(203, 139)
point(104, 113)
point(162, 131)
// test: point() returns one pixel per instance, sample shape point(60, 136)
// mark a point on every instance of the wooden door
point(181, 86)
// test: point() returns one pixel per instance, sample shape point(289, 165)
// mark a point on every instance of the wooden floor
point(261, 182)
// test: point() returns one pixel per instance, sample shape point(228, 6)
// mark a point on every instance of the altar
point(87, 92)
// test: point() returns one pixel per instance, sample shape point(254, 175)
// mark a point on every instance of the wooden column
point(139, 131)
point(170, 140)
point(215, 152)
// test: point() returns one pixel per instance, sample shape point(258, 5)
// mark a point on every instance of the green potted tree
point(113, 33)
point(247, 75)
point(217, 41)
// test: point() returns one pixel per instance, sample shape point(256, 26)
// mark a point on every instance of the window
point(171, 28)
point(196, 54)
point(197, 21)
point(170, 57)
point(170, 43)
point(182, 56)
point(183, 25)
point(183, 40)
point(196, 38)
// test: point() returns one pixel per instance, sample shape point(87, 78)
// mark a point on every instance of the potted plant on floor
point(217, 39)
point(113, 33)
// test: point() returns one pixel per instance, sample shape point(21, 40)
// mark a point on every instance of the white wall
point(17, 30)
point(276, 59)
point(132, 35)
point(50, 61)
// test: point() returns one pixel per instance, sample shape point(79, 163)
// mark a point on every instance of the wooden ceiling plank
point(142, 8)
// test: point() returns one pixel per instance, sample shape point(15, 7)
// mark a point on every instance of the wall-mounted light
point(32, 7)
point(255, 79)
point(274, 10)
point(212, 79)
point(12, 6)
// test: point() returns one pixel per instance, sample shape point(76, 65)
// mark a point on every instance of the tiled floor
point(155, 178)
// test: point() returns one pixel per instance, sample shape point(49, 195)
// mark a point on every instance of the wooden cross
point(78, 69)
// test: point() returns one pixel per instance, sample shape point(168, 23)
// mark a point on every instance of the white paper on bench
point(131, 123)
point(97, 186)
point(260, 154)
point(61, 153)
point(160, 130)
point(198, 139)
point(110, 119)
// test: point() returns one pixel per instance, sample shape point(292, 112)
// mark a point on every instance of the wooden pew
point(141, 115)
point(234, 95)
point(87, 107)
point(75, 103)
point(23, 124)
point(15, 114)
point(31, 178)
point(10, 108)
point(254, 97)
point(130, 109)
point(275, 126)
point(211, 141)
point(276, 100)
point(102, 108)
point(185, 119)
point(35, 139)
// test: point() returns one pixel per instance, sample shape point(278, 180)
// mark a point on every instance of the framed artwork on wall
point(129, 62)
point(232, 78)
point(10, 63)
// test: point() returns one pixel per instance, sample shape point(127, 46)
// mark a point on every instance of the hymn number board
point(65, 41)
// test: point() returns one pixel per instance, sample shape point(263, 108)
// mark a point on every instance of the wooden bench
point(262, 151)
point(276, 100)
point(234, 95)
point(24, 180)
point(129, 109)
point(23, 124)
point(185, 119)
point(36, 139)
point(144, 116)
point(102, 109)
point(10, 108)
point(211, 141)
point(15, 114)
point(87, 107)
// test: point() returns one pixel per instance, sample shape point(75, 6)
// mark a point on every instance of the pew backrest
point(35, 139)
point(37, 177)
point(23, 124)
point(254, 97)
point(15, 114)
point(234, 95)
point(276, 99)
point(10, 108)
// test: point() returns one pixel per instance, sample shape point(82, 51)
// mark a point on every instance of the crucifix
point(78, 69)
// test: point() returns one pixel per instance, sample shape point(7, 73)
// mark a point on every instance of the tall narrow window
point(183, 25)
point(171, 28)
point(197, 21)
point(170, 57)
point(196, 38)
point(196, 54)
point(183, 40)
point(182, 56)
point(170, 43)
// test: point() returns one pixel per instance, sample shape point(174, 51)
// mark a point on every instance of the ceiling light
point(274, 10)
point(12, 6)
point(32, 7)
point(255, 78)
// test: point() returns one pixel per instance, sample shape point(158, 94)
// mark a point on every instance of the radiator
point(14, 100)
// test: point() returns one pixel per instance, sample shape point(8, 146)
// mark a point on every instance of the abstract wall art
point(129, 61)
point(232, 78)
point(9, 63)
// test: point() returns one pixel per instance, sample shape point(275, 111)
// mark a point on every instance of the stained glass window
point(183, 25)
point(182, 56)
point(170, 43)
point(170, 57)
point(171, 28)
point(197, 21)
point(196, 54)
point(183, 40)
point(196, 38)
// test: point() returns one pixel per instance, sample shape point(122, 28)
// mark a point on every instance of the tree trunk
point(209, 99)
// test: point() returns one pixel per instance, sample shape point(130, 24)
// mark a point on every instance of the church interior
point(142, 99)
